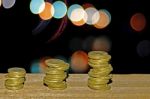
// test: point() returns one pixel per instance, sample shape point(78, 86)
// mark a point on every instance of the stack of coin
point(15, 78)
point(99, 74)
point(56, 74)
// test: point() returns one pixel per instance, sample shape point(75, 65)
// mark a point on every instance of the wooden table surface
point(129, 86)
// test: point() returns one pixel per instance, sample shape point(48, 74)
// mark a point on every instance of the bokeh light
point(143, 48)
point(104, 20)
point(77, 13)
point(0, 3)
point(92, 16)
point(73, 12)
point(48, 11)
point(101, 44)
point(87, 43)
point(35, 67)
point(75, 44)
point(138, 22)
point(42, 63)
point(37, 6)
point(8, 3)
point(79, 62)
point(60, 9)
point(79, 23)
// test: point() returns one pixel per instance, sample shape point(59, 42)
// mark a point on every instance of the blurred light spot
point(79, 23)
point(8, 3)
point(35, 68)
point(79, 62)
point(77, 14)
point(73, 11)
point(75, 44)
point(60, 9)
point(0, 3)
point(101, 44)
point(138, 22)
point(37, 6)
point(143, 48)
point(43, 64)
point(87, 5)
point(87, 43)
point(48, 12)
point(92, 16)
point(104, 20)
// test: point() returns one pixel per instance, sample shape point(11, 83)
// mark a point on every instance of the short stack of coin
point(99, 74)
point(15, 78)
point(56, 74)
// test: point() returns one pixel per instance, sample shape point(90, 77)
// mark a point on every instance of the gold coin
point(15, 80)
point(97, 81)
point(45, 81)
point(12, 84)
point(98, 61)
point(54, 62)
point(16, 75)
point(64, 67)
point(99, 55)
point(102, 65)
point(50, 71)
point(48, 81)
point(58, 86)
point(98, 73)
point(16, 70)
point(15, 88)
point(106, 67)
point(60, 67)
point(63, 76)
point(100, 87)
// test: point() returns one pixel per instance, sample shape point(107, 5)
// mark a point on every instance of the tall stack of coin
point(56, 74)
point(99, 74)
point(15, 78)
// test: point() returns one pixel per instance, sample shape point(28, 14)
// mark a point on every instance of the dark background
point(18, 47)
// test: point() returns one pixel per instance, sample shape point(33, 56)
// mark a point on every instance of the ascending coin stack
point(56, 74)
point(15, 78)
point(99, 75)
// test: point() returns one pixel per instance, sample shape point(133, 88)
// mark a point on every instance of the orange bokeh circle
point(48, 11)
point(138, 22)
point(79, 61)
point(104, 20)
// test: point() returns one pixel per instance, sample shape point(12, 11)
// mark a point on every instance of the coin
point(99, 87)
point(98, 55)
point(97, 81)
point(54, 62)
point(15, 87)
point(99, 74)
point(16, 70)
point(63, 76)
point(15, 78)
point(58, 86)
